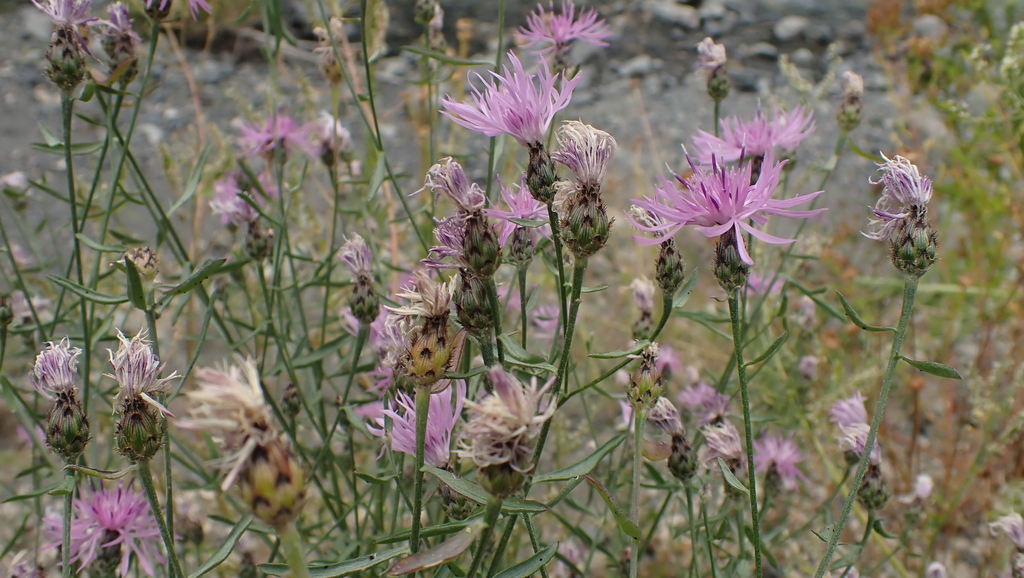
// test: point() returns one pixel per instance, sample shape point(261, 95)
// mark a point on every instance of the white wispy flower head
point(665, 416)
point(710, 55)
point(506, 423)
point(854, 437)
point(447, 178)
point(923, 487)
point(228, 404)
point(723, 441)
point(426, 297)
point(585, 150)
point(356, 255)
point(906, 194)
point(852, 84)
point(136, 368)
point(935, 570)
point(56, 368)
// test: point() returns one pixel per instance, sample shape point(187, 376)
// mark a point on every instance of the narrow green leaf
point(225, 549)
point(584, 466)
point(856, 319)
point(50, 138)
point(198, 276)
point(193, 180)
point(85, 293)
point(345, 568)
point(772, 349)
point(102, 474)
point(933, 367)
point(880, 530)
point(730, 478)
point(319, 353)
point(99, 248)
point(35, 493)
point(620, 353)
point(630, 529)
point(531, 565)
point(684, 293)
point(440, 57)
point(522, 357)
point(79, 149)
point(378, 177)
point(479, 495)
point(528, 223)
point(857, 151)
point(446, 551)
point(428, 532)
point(817, 300)
point(65, 487)
point(136, 295)
point(471, 373)
point(593, 289)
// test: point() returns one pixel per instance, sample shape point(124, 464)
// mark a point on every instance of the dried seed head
point(144, 260)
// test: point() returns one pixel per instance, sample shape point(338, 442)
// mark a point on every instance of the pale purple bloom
point(906, 195)
point(923, 486)
point(108, 518)
point(643, 294)
point(262, 139)
point(515, 103)
point(441, 419)
point(710, 56)
point(721, 440)
point(521, 205)
point(852, 84)
point(586, 151)
point(447, 178)
point(136, 368)
point(331, 135)
point(56, 368)
point(706, 402)
point(757, 137)
point(1013, 526)
point(15, 180)
point(758, 284)
point(722, 199)
point(447, 254)
point(847, 412)
point(935, 570)
point(193, 6)
point(854, 438)
point(120, 22)
point(669, 364)
point(782, 454)
point(67, 12)
point(808, 367)
point(377, 339)
point(665, 416)
point(426, 297)
point(551, 31)
point(356, 255)
point(229, 202)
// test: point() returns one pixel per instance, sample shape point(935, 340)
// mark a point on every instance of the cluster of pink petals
point(262, 139)
point(441, 419)
point(905, 190)
point(784, 454)
point(756, 137)
point(122, 514)
point(120, 21)
point(67, 12)
point(549, 31)
point(515, 103)
point(709, 404)
point(851, 417)
point(521, 205)
point(229, 202)
point(718, 198)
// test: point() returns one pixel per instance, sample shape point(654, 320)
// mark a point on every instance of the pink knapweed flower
point(783, 455)
point(229, 202)
point(262, 139)
point(710, 56)
point(585, 151)
point(706, 402)
point(923, 486)
point(193, 6)
point(905, 195)
point(665, 416)
point(547, 31)
point(67, 12)
point(935, 570)
point(521, 205)
point(849, 411)
point(120, 21)
point(721, 198)
point(447, 254)
point(643, 294)
point(722, 441)
point(446, 177)
point(515, 103)
point(56, 369)
point(756, 137)
point(136, 368)
point(854, 438)
point(441, 419)
point(108, 518)
point(356, 255)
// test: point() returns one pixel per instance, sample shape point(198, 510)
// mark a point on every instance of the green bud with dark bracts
point(273, 484)
point(644, 326)
point(158, 9)
point(257, 242)
point(291, 405)
point(365, 303)
point(67, 426)
point(455, 504)
point(585, 223)
point(540, 175)
point(522, 247)
point(65, 58)
point(480, 246)
point(873, 493)
point(645, 384)
point(682, 462)
point(501, 480)
point(6, 312)
point(472, 306)
point(139, 433)
point(121, 50)
point(671, 268)
point(915, 246)
point(718, 84)
point(849, 114)
point(730, 270)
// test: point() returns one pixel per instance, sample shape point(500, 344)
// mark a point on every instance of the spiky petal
point(441, 419)
point(756, 137)
point(546, 31)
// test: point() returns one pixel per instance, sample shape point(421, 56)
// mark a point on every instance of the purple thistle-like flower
point(722, 441)
point(585, 150)
point(854, 438)
point(108, 518)
point(447, 178)
point(669, 364)
point(441, 419)
point(665, 416)
point(757, 137)
point(847, 412)
point(447, 254)
point(228, 202)
point(1012, 525)
point(515, 103)
point(549, 31)
point(356, 255)
point(136, 368)
point(721, 199)
point(193, 6)
point(905, 190)
point(121, 22)
point(262, 139)
point(782, 454)
point(710, 56)
point(67, 12)
point(706, 402)
point(56, 368)
point(521, 205)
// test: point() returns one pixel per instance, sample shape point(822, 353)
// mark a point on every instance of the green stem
point(65, 549)
point(741, 372)
point(154, 505)
point(490, 518)
point(718, 106)
point(492, 298)
point(863, 541)
point(666, 312)
point(502, 544)
point(486, 350)
point(707, 539)
point(909, 293)
point(694, 570)
point(422, 409)
point(634, 493)
point(523, 321)
point(291, 543)
point(361, 337)
point(556, 238)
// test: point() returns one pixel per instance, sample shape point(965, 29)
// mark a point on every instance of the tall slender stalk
point(291, 543)
point(422, 409)
point(154, 505)
point(909, 293)
point(490, 518)
point(556, 238)
point(492, 298)
point(741, 371)
point(634, 492)
point(523, 321)
point(693, 529)
point(65, 544)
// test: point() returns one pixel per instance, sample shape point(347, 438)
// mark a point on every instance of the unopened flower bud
point(55, 373)
point(364, 302)
point(65, 57)
point(849, 114)
point(456, 506)
point(711, 60)
point(873, 493)
point(139, 432)
point(472, 306)
point(144, 260)
point(480, 246)
point(718, 84)
point(257, 242)
point(683, 460)
point(729, 268)
point(329, 66)
point(119, 42)
point(670, 269)
point(158, 9)
point(585, 223)
point(914, 249)
point(501, 480)
point(540, 175)
point(645, 384)
point(273, 484)
point(522, 247)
